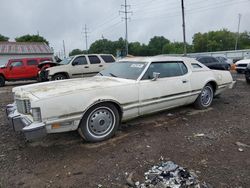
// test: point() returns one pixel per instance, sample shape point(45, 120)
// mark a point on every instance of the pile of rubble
point(169, 175)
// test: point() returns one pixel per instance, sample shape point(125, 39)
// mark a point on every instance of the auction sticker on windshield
point(137, 65)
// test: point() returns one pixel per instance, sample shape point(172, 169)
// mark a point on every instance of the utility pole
point(86, 36)
point(64, 51)
point(184, 30)
point(126, 12)
point(238, 33)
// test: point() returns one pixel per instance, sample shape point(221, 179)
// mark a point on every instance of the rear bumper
point(20, 123)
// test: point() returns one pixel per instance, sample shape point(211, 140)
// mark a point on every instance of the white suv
point(79, 66)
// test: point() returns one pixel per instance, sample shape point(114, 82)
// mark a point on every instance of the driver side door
point(16, 70)
point(171, 89)
point(79, 67)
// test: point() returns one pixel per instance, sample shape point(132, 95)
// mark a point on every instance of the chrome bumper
point(20, 123)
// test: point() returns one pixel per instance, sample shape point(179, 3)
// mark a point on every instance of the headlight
point(36, 113)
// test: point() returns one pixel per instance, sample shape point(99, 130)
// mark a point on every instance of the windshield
point(65, 61)
point(125, 69)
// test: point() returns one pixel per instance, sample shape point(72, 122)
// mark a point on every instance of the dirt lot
point(64, 160)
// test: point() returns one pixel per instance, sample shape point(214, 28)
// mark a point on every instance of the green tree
point(156, 45)
point(75, 52)
point(219, 41)
point(31, 38)
point(3, 38)
point(244, 40)
point(102, 46)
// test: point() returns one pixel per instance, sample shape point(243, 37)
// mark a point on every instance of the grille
point(23, 106)
point(242, 65)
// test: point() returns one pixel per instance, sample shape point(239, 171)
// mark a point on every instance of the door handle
point(86, 67)
point(100, 65)
point(184, 81)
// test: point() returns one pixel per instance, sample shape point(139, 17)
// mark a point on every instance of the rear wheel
point(59, 77)
point(205, 98)
point(2, 81)
point(99, 123)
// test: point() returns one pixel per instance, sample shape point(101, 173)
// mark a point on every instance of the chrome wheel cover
point(101, 122)
point(206, 96)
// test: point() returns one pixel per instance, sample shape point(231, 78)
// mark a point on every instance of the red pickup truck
point(21, 69)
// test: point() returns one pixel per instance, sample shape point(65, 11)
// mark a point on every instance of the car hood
point(64, 87)
point(244, 61)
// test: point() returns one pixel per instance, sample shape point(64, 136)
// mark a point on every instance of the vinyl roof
point(13, 48)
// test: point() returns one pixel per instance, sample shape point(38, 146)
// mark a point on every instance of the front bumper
point(20, 123)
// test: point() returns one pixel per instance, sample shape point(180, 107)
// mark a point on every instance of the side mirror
point(75, 63)
point(156, 75)
point(11, 67)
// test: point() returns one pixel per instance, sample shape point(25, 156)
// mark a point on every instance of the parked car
point(20, 69)
point(225, 60)
point(213, 63)
point(241, 65)
point(133, 87)
point(79, 66)
point(247, 73)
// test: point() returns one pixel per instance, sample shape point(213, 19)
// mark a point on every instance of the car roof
point(157, 58)
point(90, 55)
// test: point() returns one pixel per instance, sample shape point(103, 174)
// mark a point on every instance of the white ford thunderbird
point(130, 88)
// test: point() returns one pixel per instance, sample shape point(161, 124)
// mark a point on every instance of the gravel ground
point(203, 141)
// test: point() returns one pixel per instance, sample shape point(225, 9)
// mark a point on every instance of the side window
point(32, 62)
point(17, 64)
point(166, 69)
point(214, 60)
point(195, 65)
point(80, 61)
point(183, 68)
point(108, 58)
point(94, 59)
point(203, 60)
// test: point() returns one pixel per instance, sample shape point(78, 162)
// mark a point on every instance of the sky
point(58, 20)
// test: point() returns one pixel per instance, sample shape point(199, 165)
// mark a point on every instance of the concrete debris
point(170, 175)
point(199, 135)
point(242, 145)
point(240, 150)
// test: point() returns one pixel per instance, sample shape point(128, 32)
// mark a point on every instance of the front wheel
point(205, 98)
point(59, 77)
point(2, 81)
point(99, 123)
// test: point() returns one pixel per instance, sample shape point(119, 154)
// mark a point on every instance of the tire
point(59, 77)
point(2, 81)
point(99, 123)
point(247, 80)
point(205, 98)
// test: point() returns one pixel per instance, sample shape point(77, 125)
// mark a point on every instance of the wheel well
point(3, 76)
point(214, 85)
point(118, 107)
point(64, 73)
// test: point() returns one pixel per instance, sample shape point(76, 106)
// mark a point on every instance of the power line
point(126, 12)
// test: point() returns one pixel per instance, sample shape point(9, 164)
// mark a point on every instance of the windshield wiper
point(111, 74)
point(100, 74)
